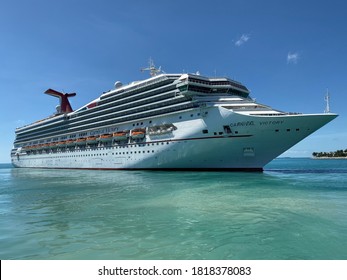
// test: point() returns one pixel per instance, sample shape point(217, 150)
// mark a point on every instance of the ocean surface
point(295, 209)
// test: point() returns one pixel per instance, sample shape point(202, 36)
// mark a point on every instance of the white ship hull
point(198, 143)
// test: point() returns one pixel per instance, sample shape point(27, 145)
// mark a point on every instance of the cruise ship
point(166, 122)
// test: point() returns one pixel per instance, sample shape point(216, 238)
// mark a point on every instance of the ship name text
point(247, 123)
point(271, 123)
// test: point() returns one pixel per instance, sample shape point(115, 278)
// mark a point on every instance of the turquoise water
point(295, 209)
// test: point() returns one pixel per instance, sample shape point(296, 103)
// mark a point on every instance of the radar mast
point(153, 71)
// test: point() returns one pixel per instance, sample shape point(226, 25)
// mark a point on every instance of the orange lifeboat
point(120, 136)
point(61, 143)
point(34, 147)
point(46, 145)
point(81, 141)
point(138, 133)
point(53, 144)
point(70, 142)
point(105, 137)
point(91, 139)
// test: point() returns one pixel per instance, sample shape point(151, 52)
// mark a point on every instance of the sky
point(288, 53)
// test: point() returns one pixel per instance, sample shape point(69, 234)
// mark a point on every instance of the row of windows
point(46, 123)
point(218, 83)
point(143, 89)
point(155, 112)
point(288, 130)
point(215, 90)
point(138, 88)
point(83, 149)
point(64, 126)
point(101, 108)
point(73, 136)
point(114, 113)
point(143, 92)
point(109, 153)
point(126, 103)
point(103, 154)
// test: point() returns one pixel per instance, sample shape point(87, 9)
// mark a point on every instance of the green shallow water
point(295, 209)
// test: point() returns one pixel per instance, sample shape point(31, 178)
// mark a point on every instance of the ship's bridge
point(190, 84)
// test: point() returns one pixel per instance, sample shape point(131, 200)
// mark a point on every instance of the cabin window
point(205, 131)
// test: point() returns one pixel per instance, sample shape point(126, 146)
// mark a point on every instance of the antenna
point(327, 100)
point(151, 68)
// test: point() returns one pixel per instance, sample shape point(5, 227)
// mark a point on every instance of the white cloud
point(293, 57)
point(243, 39)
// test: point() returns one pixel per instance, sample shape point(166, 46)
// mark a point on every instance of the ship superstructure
point(169, 121)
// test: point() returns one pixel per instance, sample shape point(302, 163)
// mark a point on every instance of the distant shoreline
point(329, 157)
